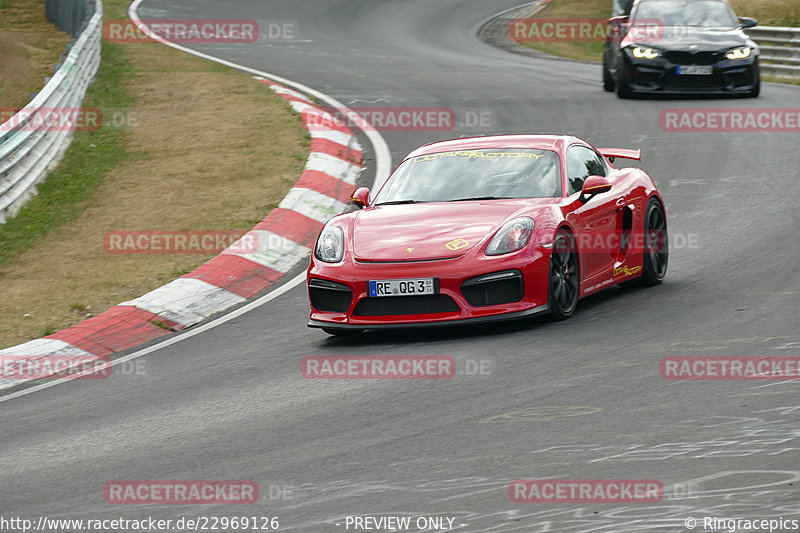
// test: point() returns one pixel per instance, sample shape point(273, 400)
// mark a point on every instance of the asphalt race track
point(582, 399)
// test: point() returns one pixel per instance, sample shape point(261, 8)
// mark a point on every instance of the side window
point(621, 7)
point(582, 162)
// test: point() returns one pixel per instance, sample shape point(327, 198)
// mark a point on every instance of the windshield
point(704, 13)
point(474, 174)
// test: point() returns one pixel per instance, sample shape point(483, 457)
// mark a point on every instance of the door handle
point(620, 202)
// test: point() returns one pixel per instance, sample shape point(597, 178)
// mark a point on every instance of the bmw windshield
point(474, 175)
point(702, 13)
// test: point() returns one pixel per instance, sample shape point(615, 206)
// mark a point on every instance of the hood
point(692, 38)
point(439, 230)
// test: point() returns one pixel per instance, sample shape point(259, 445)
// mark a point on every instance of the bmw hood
point(692, 39)
point(419, 232)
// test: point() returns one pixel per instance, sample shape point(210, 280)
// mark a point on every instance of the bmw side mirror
point(360, 197)
point(616, 28)
point(748, 22)
point(594, 185)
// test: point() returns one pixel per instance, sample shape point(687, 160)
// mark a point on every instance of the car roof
point(555, 143)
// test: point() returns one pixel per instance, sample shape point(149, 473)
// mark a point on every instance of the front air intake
point(329, 296)
point(494, 289)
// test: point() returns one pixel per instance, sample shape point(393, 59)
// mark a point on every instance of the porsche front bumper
point(469, 289)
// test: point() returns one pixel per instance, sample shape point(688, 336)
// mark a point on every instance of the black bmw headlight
point(645, 52)
point(742, 52)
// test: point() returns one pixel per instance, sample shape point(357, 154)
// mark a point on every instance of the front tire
point(623, 86)
point(608, 78)
point(756, 90)
point(656, 245)
point(564, 278)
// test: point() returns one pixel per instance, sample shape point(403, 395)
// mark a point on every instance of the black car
point(680, 47)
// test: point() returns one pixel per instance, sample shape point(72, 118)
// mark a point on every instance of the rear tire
point(656, 245)
point(564, 278)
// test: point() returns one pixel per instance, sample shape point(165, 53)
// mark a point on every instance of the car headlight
point(740, 53)
point(330, 245)
point(513, 236)
point(645, 53)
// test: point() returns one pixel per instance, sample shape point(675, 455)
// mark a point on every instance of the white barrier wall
point(28, 151)
point(780, 50)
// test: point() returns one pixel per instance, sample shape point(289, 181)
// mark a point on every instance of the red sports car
point(488, 228)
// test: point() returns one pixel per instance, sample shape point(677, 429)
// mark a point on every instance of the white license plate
point(701, 70)
point(401, 287)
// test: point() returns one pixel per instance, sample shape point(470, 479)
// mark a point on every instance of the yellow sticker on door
point(625, 271)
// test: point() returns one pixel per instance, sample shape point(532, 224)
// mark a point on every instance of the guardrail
point(28, 151)
point(780, 50)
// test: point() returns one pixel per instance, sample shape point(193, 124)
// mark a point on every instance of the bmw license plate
point(401, 287)
point(697, 70)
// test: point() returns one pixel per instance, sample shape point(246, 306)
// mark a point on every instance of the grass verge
point(69, 189)
point(768, 13)
point(203, 148)
point(29, 47)
point(573, 9)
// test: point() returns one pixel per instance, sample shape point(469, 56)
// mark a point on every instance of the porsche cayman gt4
point(488, 228)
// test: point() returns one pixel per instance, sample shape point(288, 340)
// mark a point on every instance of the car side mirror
point(617, 27)
point(360, 197)
point(748, 22)
point(594, 185)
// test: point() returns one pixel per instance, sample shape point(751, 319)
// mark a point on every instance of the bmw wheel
point(756, 90)
point(608, 78)
point(623, 86)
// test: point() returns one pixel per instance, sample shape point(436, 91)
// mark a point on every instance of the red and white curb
point(284, 239)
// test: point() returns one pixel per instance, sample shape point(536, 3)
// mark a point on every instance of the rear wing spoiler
point(622, 153)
